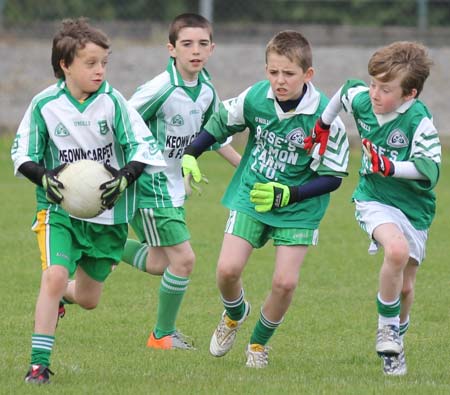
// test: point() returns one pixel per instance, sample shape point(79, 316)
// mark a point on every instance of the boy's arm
point(272, 195)
point(230, 154)
point(321, 131)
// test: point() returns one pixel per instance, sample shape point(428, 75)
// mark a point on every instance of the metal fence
point(426, 19)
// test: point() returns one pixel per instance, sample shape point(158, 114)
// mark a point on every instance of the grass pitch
point(324, 346)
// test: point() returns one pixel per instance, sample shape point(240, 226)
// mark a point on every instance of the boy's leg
point(171, 292)
point(53, 283)
point(54, 240)
point(84, 291)
point(233, 257)
point(284, 282)
point(395, 365)
point(396, 256)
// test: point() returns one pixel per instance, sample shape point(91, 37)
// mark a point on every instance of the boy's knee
point(284, 286)
point(397, 253)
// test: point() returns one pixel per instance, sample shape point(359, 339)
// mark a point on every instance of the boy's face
point(286, 77)
point(386, 97)
point(191, 51)
point(87, 71)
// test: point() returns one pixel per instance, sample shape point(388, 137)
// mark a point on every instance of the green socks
point(135, 254)
point(41, 348)
point(171, 294)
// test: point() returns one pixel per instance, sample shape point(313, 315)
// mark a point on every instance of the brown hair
point(407, 59)
point(188, 20)
point(73, 35)
point(293, 45)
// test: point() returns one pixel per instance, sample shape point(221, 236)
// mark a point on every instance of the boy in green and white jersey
point(278, 192)
point(81, 116)
point(175, 105)
point(395, 202)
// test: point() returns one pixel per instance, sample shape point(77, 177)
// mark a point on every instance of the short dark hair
point(73, 35)
point(188, 20)
point(293, 45)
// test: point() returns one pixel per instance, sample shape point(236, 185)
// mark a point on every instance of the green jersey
point(408, 134)
point(275, 152)
point(58, 129)
point(175, 111)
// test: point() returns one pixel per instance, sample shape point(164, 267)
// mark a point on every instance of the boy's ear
point(309, 74)
point(172, 50)
point(63, 66)
point(411, 95)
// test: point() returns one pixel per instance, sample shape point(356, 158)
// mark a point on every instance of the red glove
point(319, 135)
point(380, 163)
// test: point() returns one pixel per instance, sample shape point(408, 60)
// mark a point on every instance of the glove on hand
point(51, 184)
point(269, 196)
point(191, 173)
point(114, 188)
point(319, 135)
point(380, 163)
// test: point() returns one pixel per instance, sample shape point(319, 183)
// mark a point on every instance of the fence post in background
point(2, 6)
point(422, 17)
point(205, 9)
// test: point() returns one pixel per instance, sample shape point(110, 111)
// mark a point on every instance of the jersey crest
point(177, 120)
point(61, 130)
point(103, 126)
point(397, 139)
point(296, 137)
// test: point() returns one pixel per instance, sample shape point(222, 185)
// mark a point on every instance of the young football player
point(175, 104)
point(278, 192)
point(394, 199)
point(79, 117)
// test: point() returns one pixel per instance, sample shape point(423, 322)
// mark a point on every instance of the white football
point(81, 192)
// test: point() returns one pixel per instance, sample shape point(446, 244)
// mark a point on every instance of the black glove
point(122, 179)
point(52, 185)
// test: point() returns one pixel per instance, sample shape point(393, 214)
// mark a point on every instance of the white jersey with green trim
point(275, 152)
point(175, 111)
point(58, 129)
point(407, 134)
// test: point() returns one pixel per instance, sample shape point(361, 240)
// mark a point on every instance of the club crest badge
point(296, 137)
point(397, 139)
point(61, 130)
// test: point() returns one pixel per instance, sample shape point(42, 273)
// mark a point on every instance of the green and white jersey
point(275, 152)
point(175, 111)
point(408, 134)
point(59, 129)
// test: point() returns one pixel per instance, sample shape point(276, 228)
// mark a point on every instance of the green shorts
point(258, 233)
point(160, 227)
point(71, 242)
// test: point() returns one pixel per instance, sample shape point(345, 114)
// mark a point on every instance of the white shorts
point(372, 214)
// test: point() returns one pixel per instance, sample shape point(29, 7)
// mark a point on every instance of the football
point(81, 192)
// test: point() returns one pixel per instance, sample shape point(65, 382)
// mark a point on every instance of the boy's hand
point(380, 163)
point(319, 135)
point(189, 165)
point(113, 188)
point(190, 184)
point(51, 184)
point(269, 196)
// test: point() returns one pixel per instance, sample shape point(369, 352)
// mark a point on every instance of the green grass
point(324, 346)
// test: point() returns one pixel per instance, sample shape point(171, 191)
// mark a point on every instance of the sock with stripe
point(135, 254)
point(41, 349)
point(388, 312)
point(235, 308)
point(263, 330)
point(171, 294)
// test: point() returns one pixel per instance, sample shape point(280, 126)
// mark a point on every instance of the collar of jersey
point(177, 80)
point(308, 104)
point(104, 88)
